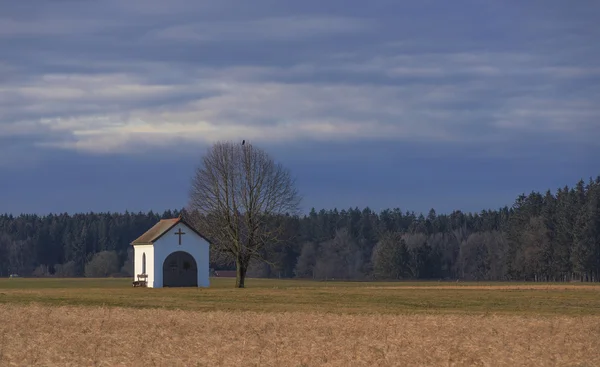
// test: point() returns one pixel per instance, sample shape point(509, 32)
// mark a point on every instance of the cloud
point(268, 29)
point(116, 112)
point(263, 112)
point(10, 28)
point(118, 77)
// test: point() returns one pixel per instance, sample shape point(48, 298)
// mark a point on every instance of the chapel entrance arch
point(180, 270)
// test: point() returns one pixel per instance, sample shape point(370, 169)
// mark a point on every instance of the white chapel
point(171, 254)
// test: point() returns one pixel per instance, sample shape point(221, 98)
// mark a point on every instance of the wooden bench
point(142, 280)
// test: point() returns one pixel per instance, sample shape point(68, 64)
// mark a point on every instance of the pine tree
point(586, 251)
point(550, 267)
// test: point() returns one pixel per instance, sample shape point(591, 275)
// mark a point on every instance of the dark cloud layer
point(120, 83)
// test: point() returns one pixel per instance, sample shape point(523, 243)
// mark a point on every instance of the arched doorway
point(180, 270)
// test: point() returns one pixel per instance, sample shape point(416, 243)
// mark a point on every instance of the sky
point(453, 105)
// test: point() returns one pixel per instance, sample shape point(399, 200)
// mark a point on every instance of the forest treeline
point(541, 237)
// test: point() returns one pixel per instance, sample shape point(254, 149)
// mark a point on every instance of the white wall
point(190, 243)
point(138, 252)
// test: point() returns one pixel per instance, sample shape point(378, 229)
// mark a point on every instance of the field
point(106, 322)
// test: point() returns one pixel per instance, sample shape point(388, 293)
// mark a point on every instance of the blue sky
point(109, 105)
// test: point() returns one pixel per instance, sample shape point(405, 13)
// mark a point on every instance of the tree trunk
point(240, 277)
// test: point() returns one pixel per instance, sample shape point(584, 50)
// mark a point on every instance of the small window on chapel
point(144, 263)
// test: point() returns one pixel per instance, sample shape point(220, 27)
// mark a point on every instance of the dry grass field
point(295, 323)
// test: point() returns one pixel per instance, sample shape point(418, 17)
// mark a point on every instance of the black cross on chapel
point(179, 233)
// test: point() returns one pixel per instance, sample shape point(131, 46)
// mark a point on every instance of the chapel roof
point(156, 231)
point(160, 228)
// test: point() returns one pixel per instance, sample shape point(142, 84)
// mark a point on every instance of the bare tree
point(305, 266)
point(237, 198)
point(103, 264)
point(339, 258)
